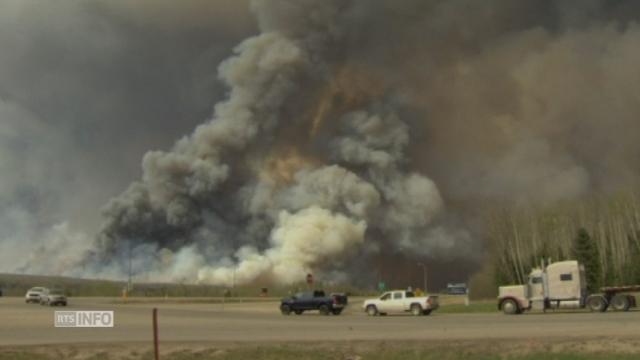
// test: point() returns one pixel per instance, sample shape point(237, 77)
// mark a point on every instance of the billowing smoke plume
point(86, 88)
point(357, 130)
point(308, 239)
point(284, 180)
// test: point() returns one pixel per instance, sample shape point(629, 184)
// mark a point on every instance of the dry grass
point(556, 349)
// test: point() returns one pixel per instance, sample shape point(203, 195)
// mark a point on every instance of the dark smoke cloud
point(371, 127)
point(86, 88)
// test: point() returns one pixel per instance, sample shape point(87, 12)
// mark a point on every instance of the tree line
point(603, 233)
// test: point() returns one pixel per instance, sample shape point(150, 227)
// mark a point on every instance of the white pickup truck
point(401, 301)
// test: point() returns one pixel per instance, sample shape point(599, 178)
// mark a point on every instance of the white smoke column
point(206, 210)
point(329, 187)
point(377, 139)
point(59, 252)
point(262, 77)
point(300, 242)
point(194, 169)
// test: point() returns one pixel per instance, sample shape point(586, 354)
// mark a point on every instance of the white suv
point(53, 297)
point(33, 295)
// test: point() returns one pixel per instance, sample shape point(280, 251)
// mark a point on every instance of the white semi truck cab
point(562, 284)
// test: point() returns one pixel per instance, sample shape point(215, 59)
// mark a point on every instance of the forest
point(602, 232)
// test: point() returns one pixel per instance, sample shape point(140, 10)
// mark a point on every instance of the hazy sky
point(87, 87)
point(506, 100)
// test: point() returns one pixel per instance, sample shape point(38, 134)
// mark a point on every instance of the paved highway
point(22, 324)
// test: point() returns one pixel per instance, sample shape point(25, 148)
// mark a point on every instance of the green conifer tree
point(585, 250)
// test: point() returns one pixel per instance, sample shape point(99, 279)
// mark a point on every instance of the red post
point(309, 281)
point(155, 334)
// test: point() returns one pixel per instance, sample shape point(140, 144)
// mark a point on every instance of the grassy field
point(286, 354)
point(558, 350)
point(17, 285)
point(455, 304)
point(485, 306)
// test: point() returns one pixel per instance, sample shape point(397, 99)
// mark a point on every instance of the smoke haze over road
point(341, 131)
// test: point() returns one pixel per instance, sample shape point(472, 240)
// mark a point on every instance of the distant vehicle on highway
point(1, 292)
point(33, 295)
point(457, 289)
point(314, 300)
point(401, 301)
point(53, 298)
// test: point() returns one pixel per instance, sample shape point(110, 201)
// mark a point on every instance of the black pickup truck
point(314, 300)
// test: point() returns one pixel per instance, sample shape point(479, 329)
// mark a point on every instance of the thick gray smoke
point(86, 88)
point(288, 209)
point(361, 129)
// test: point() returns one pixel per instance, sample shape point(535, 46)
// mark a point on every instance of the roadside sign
point(382, 286)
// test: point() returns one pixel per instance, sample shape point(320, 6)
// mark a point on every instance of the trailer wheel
point(621, 303)
point(509, 307)
point(597, 303)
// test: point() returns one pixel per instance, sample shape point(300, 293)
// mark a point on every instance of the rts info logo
point(84, 319)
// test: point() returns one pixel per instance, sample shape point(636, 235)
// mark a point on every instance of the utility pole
point(233, 284)
point(156, 349)
point(424, 275)
point(130, 284)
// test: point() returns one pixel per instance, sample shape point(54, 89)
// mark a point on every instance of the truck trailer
point(563, 285)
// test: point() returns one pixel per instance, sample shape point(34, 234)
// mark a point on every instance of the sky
point(106, 110)
point(87, 87)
